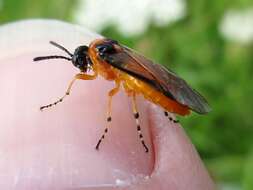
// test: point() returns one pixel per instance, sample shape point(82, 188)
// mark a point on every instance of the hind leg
point(170, 118)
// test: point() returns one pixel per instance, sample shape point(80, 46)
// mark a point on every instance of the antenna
point(55, 56)
point(61, 47)
point(51, 57)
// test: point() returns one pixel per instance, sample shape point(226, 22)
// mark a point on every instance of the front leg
point(80, 76)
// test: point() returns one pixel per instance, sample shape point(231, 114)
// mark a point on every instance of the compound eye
point(112, 41)
point(105, 49)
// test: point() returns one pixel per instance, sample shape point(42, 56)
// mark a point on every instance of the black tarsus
point(52, 104)
point(145, 146)
point(109, 119)
point(136, 116)
point(97, 146)
point(170, 118)
point(101, 138)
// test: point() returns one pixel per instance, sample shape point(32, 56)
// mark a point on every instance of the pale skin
point(56, 148)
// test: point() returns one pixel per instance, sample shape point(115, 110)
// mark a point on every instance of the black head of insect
point(80, 58)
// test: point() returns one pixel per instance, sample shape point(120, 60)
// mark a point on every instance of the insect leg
point(78, 76)
point(136, 116)
point(111, 93)
point(170, 118)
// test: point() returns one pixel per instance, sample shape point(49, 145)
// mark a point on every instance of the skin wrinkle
point(187, 158)
point(57, 145)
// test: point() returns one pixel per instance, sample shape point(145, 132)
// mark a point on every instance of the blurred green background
point(193, 47)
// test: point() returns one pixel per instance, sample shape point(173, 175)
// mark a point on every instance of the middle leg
point(109, 110)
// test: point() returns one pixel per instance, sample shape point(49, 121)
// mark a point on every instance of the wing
point(159, 77)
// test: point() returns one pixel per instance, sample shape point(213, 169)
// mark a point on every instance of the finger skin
point(54, 149)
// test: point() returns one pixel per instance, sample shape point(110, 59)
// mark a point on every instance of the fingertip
point(57, 145)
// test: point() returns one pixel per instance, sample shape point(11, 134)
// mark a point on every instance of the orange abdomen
point(151, 94)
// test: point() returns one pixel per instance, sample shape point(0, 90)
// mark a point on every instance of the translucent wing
point(159, 77)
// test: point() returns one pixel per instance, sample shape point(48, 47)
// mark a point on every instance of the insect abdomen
point(153, 95)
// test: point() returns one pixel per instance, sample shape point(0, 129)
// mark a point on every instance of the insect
point(138, 76)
